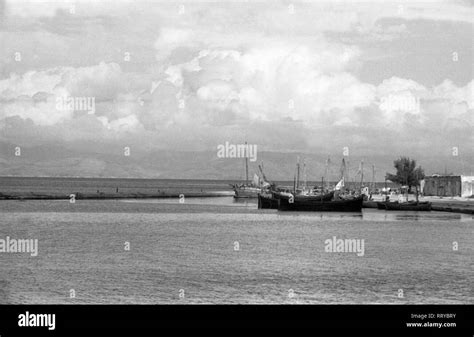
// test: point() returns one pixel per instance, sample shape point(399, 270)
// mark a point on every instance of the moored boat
point(297, 203)
point(369, 204)
point(381, 205)
point(246, 191)
point(313, 197)
point(267, 201)
point(270, 200)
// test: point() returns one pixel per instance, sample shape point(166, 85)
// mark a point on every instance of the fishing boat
point(408, 206)
point(370, 204)
point(267, 201)
point(381, 205)
point(270, 200)
point(315, 204)
point(333, 201)
point(247, 190)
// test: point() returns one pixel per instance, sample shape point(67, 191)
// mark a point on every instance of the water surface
point(190, 246)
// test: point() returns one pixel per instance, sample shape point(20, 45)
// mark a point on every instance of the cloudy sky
point(311, 76)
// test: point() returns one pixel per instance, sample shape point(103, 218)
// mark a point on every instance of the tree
point(407, 173)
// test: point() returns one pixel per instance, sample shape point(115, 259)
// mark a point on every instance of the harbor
point(169, 166)
point(97, 189)
point(410, 190)
point(192, 246)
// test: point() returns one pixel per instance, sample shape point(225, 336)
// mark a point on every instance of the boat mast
point(322, 188)
point(298, 173)
point(327, 172)
point(304, 173)
point(247, 164)
point(373, 178)
point(361, 173)
point(406, 184)
point(343, 168)
point(347, 171)
point(261, 171)
point(416, 187)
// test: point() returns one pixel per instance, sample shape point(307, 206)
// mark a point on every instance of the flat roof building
point(448, 185)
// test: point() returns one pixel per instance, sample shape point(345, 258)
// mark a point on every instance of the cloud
point(29, 8)
point(53, 96)
point(448, 91)
point(272, 79)
point(102, 81)
point(219, 71)
point(226, 88)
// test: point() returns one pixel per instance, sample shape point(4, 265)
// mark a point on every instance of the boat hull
point(381, 205)
point(270, 201)
point(306, 198)
point(314, 205)
point(267, 202)
point(369, 204)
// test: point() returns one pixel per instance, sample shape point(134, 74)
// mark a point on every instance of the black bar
point(239, 320)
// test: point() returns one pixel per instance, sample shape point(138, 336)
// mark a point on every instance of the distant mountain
point(60, 161)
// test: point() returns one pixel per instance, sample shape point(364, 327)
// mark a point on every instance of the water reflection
point(323, 215)
point(407, 217)
point(379, 215)
point(369, 214)
point(212, 201)
point(244, 202)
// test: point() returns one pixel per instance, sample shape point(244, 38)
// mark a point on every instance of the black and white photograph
point(211, 153)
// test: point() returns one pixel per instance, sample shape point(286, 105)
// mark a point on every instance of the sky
point(303, 76)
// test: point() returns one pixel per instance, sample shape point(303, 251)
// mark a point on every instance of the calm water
point(12, 185)
point(190, 246)
point(91, 185)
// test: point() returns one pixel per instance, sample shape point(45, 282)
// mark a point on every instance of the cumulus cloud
point(449, 91)
point(221, 69)
point(56, 95)
point(270, 80)
point(276, 80)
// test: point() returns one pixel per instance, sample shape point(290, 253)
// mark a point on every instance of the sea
point(223, 251)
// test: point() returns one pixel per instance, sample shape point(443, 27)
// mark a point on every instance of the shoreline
point(438, 204)
point(446, 204)
point(459, 207)
point(103, 196)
